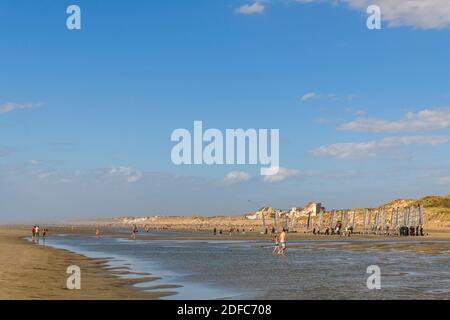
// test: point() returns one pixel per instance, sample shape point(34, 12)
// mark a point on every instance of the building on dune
point(313, 208)
point(267, 212)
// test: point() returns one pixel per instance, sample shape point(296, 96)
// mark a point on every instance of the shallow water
point(220, 269)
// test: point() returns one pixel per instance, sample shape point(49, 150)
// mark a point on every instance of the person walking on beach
point(276, 248)
point(36, 232)
point(33, 233)
point(134, 231)
point(283, 239)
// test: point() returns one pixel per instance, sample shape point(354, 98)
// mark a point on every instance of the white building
point(312, 207)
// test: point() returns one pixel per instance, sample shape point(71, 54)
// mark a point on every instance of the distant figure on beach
point(276, 247)
point(283, 239)
point(146, 228)
point(134, 231)
point(37, 232)
point(44, 234)
point(98, 233)
point(33, 233)
point(337, 230)
point(215, 231)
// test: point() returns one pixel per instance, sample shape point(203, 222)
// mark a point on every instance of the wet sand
point(207, 234)
point(426, 247)
point(30, 271)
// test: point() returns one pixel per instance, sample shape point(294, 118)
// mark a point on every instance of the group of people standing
point(230, 231)
point(36, 233)
point(280, 242)
point(411, 231)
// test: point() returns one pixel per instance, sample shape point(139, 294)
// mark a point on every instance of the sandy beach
point(29, 271)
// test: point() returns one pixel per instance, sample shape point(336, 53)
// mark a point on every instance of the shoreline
point(37, 272)
point(207, 234)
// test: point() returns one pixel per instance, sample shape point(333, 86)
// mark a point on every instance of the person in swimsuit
point(134, 230)
point(37, 232)
point(276, 248)
point(283, 239)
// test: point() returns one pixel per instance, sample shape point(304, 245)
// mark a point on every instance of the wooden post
point(354, 220)
point(421, 216)
point(264, 219)
point(309, 220)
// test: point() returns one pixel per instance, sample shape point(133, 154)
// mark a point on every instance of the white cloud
point(309, 96)
point(424, 14)
point(237, 176)
point(428, 119)
point(130, 174)
point(283, 174)
point(374, 149)
point(255, 8)
point(331, 97)
point(9, 107)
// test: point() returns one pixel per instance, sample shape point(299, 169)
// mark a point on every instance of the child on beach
point(276, 248)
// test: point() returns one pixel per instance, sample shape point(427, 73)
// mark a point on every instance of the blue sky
point(86, 115)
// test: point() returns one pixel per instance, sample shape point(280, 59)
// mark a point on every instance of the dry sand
point(29, 271)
